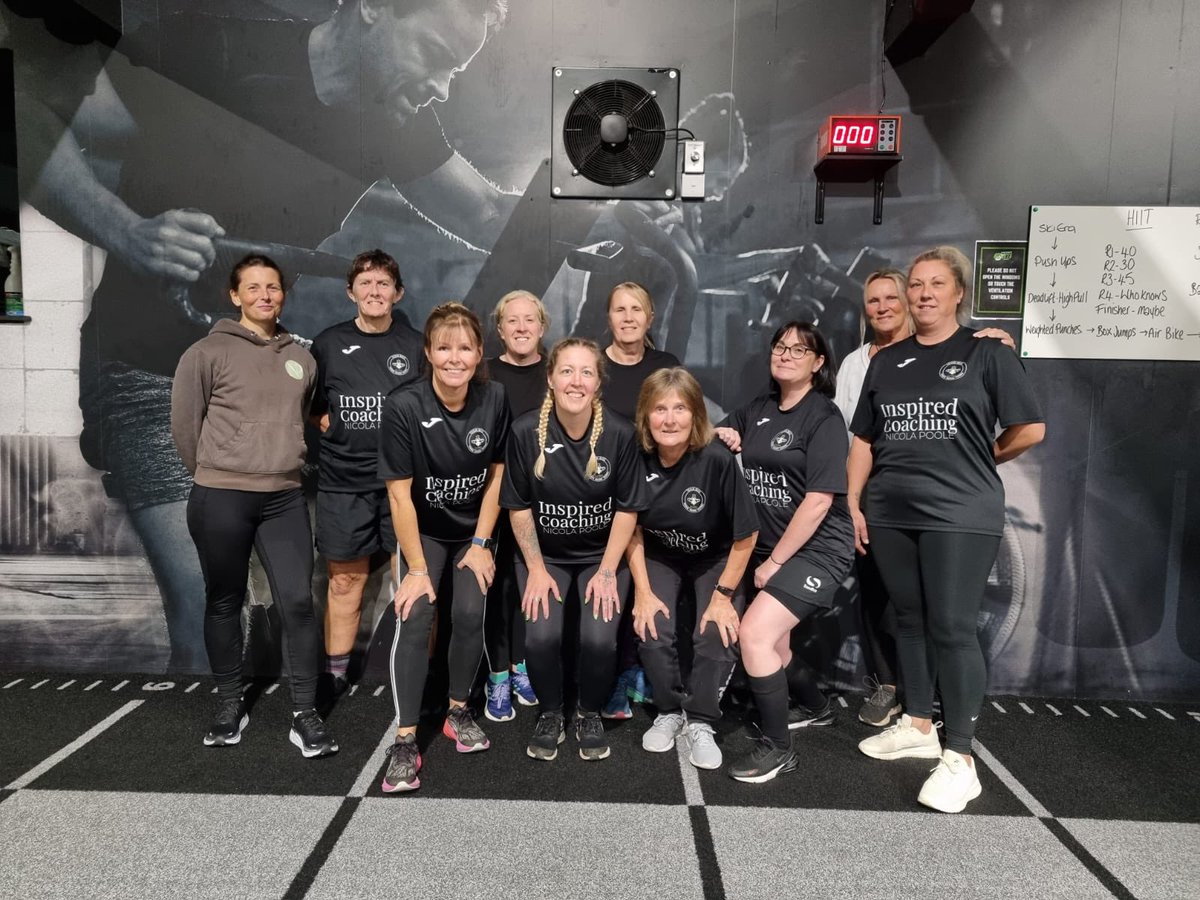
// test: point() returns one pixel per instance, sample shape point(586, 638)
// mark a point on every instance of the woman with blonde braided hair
point(574, 483)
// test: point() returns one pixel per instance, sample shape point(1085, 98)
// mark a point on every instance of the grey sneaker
point(703, 752)
point(880, 706)
point(660, 737)
point(902, 741)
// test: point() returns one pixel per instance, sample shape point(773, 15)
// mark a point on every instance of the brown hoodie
point(238, 406)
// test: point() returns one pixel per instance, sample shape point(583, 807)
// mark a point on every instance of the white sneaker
point(660, 737)
point(952, 785)
point(902, 741)
point(703, 751)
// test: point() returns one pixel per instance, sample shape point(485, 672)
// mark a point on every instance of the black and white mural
point(173, 136)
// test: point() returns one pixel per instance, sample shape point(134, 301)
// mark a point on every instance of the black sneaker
point(226, 729)
point(803, 717)
point(589, 731)
point(404, 762)
point(879, 708)
point(764, 762)
point(311, 735)
point(549, 732)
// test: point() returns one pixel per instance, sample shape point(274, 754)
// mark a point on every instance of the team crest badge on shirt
point(693, 499)
point(478, 440)
point(783, 440)
point(398, 364)
point(603, 469)
point(952, 371)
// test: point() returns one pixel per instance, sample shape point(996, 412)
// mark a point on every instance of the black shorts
point(351, 526)
point(803, 586)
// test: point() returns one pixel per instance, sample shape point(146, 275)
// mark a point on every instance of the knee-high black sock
point(802, 684)
point(771, 698)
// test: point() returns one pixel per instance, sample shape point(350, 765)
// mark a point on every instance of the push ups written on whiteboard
point(1113, 282)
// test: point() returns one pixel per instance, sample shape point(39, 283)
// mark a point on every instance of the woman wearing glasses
point(793, 445)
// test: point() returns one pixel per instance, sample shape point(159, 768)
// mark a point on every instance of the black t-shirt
point(572, 512)
point(786, 454)
point(698, 507)
point(525, 385)
point(930, 413)
point(622, 384)
point(446, 454)
point(356, 371)
point(229, 123)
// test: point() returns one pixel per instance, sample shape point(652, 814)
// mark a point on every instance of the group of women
point(629, 510)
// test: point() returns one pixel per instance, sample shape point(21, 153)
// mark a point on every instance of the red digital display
point(858, 135)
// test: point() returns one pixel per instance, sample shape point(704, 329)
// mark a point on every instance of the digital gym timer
point(858, 134)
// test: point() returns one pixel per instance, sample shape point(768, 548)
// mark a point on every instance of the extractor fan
point(614, 133)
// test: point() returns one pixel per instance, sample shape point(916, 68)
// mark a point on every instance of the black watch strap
point(724, 591)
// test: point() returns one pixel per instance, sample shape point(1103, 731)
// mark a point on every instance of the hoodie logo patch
point(294, 369)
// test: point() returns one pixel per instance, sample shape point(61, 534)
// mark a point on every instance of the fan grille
point(627, 161)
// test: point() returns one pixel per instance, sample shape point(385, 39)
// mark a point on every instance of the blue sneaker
point(499, 699)
point(617, 706)
point(522, 686)
point(638, 687)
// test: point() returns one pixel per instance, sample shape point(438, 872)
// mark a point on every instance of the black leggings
point(504, 626)
point(410, 646)
point(878, 620)
point(597, 640)
point(712, 662)
point(936, 580)
point(225, 526)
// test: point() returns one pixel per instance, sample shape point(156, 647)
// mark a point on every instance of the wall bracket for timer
point(855, 149)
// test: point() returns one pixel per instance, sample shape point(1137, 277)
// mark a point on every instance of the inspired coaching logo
point(693, 499)
point(783, 440)
point(952, 371)
point(812, 583)
point(477, 440)
point(603, 469)
point(398, 364)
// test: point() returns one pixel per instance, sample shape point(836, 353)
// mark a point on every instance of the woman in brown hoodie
point(238, 406)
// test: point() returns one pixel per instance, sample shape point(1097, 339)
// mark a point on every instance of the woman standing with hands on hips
point(924, 434)
point(793, 446)
point(574, 484)
point(441, 457)
point(238, 406)
point(695, 538)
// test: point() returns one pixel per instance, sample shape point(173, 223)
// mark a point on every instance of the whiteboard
point(1113, 282)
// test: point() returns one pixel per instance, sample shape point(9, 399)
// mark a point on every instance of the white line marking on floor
point(34, 687)
point(121, 685)
point(191, 687)
point(13, 683)
point(66, 684)
point(1083, 712)
point(691, 779)
point(51, 761)
point(214, 690)
point(1025, 706)
point(353, 688)
point(1164, 714)
point(1009, 780)
point(1053, 710)
point(1110, 712)
point(378, 691)
point(1136, 712)
point(272, 689)
point(999, 707)
point(371, 767)
point(842, 700)
point(1194, 715)
point(93, 684)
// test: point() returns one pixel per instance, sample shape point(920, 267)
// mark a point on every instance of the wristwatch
point(485, 543)
point(724, 591)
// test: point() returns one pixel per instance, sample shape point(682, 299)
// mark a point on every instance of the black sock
point(802, 685)
point(771, 698)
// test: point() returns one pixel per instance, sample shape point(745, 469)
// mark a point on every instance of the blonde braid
point(539, 467)
point(597, 429)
